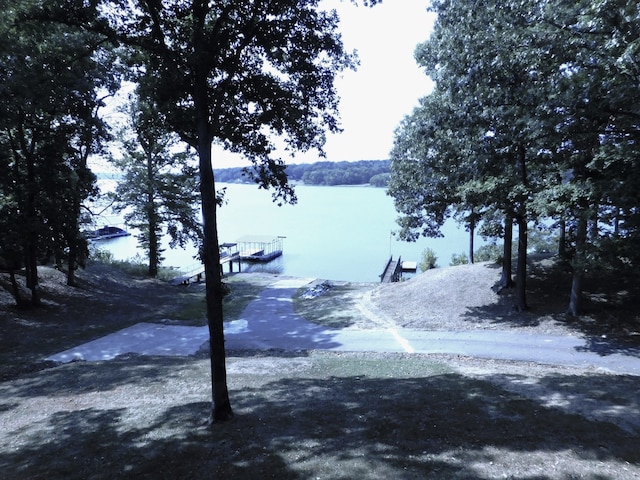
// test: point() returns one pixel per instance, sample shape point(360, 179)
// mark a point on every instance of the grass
point(322, 310)
point(240, 293)
point(304, 416)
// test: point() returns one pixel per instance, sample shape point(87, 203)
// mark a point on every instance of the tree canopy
point(239, 74)
point(159, 188)
point(49, 125)
point(374, 172)
point(533, 117)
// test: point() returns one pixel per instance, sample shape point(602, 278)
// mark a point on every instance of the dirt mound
point(440, 296)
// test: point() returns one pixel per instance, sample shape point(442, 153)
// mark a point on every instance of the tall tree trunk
point(73, 241)
point(575, 299)
point(521, 217)
point(507, 253)
point(31, 271)
point(154, 254)
point(72, 261)
point(31, 245)
point(562, 238)
point(472, 231)
point(521, 272)
point(221, 408)
point(16, 289)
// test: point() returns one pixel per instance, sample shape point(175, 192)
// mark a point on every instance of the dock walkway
point(393, 271)
point(195, 273)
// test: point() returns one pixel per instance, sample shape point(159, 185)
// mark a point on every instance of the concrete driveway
point(269, 322)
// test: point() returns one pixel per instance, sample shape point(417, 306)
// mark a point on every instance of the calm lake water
point(335, 233)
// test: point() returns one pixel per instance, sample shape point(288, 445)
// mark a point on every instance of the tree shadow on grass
point(609, 302)
point(316, 425)
point(77, 378)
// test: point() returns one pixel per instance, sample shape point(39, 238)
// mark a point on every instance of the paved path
point(269, 322)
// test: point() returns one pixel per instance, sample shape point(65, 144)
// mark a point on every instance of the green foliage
point(50, 77)
point(136, 266)
point(543, 240)
point(459, 259)
point(158, 190)
point(374, 172)
point(244, 75)
point(533, 115)
point(428, 260)
point(101, 256)
point(488, 253)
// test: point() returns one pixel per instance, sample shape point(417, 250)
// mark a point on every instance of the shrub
point(428, 261)
point(488, 253)
point(459, 259)
point(101, 256)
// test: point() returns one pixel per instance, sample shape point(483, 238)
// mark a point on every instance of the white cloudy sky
point(386, 86)
point(388, 83)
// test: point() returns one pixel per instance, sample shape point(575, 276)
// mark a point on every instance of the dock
point(393, 271)
point(195, 273)
point(107, 232)
point(250, 248)
point(259, 248)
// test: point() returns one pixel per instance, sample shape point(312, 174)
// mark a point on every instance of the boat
point(107, 232)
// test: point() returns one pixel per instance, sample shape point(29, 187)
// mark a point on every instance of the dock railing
point(393, 271)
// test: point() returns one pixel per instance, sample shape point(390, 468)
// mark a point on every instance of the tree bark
point(521, 217)
point(575, 299)
point(521, 272)
point(154, 254)
point(221, 408)
point(16, 289)
point(31, 245)
point(72, 260)
point(506, 279)
point(562, 239)
point(472, 230)
point(31, 271)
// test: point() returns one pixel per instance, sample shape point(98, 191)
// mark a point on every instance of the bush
point(459, 259)
point(135, 266)
point(488, 253)
point(101, 256)
point(428, 261)
point(542, 240)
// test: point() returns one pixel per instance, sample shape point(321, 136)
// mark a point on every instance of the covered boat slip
point(259, 248)
point(250, 248)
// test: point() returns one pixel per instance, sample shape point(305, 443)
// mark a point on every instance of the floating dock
point(250, 248)
point(259, 248)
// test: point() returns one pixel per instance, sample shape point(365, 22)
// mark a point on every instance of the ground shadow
point(611, 319)
point(77, 378)
point(359, 426)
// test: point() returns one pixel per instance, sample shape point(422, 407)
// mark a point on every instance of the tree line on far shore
point(361, 172)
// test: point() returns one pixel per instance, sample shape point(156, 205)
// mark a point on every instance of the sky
point(386, 86)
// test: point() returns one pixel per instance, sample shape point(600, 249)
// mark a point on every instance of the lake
point(334, 233)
